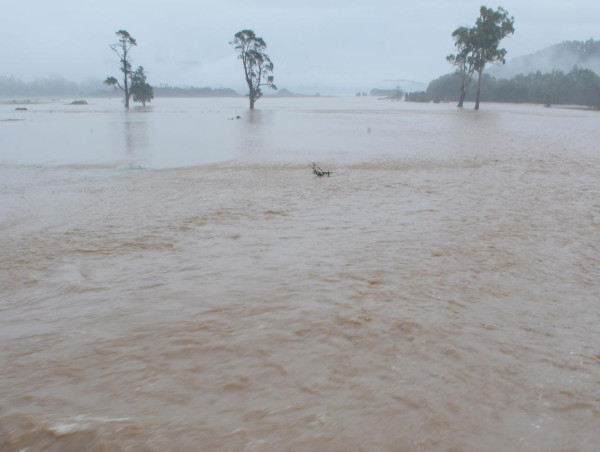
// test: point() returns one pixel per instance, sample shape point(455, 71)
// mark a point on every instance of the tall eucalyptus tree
point(123, 50)
point(257, 64)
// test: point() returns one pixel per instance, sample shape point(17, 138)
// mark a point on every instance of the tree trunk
point(251, 95)
point(461, 100)
point(125, 79)
point(478, 91)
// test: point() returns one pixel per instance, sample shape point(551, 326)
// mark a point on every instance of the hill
point(559, 57)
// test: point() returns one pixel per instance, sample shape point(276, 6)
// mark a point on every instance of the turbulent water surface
point(174, 278)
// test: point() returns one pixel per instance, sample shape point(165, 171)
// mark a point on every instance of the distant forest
point(579, 86)
point(57, 87)
point(564, 73)
point(11, 87)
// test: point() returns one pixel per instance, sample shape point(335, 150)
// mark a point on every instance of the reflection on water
point(438, 292)
point(136, 138)
point(103, 134)
point(191, 132)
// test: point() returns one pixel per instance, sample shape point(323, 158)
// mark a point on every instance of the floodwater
point(173, 279)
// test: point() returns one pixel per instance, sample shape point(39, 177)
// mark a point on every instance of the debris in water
point(318, 171)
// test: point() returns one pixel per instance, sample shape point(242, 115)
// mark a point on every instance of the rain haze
point(180, 271)
point(340, 46)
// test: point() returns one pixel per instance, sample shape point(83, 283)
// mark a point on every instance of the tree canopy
point(463, 59)
point(140, 89)
point(258, 67)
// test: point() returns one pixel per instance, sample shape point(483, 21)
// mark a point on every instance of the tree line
point(580, 86)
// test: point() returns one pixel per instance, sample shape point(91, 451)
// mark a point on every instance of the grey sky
point(355, 45)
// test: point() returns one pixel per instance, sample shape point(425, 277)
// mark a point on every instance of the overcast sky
point(314, 44)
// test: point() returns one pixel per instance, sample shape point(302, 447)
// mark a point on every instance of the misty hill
point(559, 57)
point(11, 87)
point(14, 88)
point(283, 92)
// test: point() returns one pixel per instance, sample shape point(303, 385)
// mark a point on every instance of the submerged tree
point(257, 64)
point(463, 60)
point(140, 89)
point(478, 45)
point(122, 48)
point(491, 27)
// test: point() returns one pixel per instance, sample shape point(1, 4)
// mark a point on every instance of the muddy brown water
point(173, 279)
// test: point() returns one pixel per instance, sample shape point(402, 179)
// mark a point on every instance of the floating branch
point(318, 171)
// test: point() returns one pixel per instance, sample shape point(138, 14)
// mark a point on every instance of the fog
point(557, 57)
point(316, 45)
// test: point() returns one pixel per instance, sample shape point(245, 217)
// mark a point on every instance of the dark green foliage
point(140, 89)
point(387, 93)
point(579, 86)
point(587, 87)
point(417, 96)
point(111, 81)
point(446, 88)
point(257, 64)
point(491, 27)
point(463, 60)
